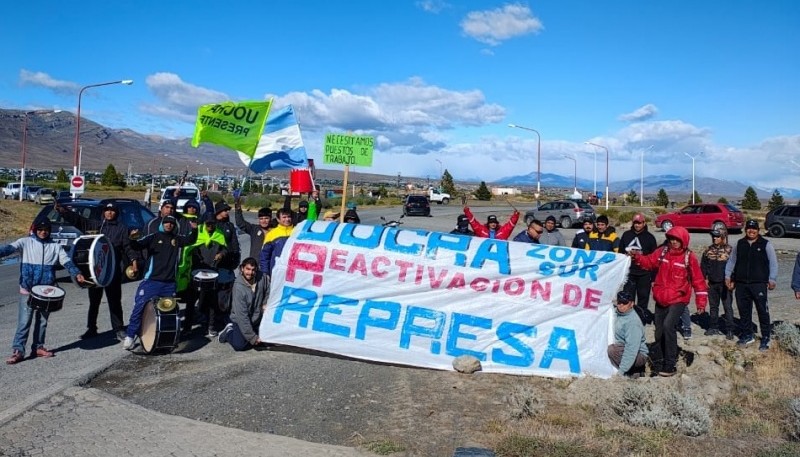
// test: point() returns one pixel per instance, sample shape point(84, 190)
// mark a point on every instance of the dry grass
point(753, 420)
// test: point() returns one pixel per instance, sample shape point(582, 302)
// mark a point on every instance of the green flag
point(237, 126)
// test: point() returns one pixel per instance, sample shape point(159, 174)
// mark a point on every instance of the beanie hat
point(304, 204)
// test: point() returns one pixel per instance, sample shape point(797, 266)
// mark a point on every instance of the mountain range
point(51, 136)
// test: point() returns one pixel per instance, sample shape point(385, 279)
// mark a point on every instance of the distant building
point(505, 191)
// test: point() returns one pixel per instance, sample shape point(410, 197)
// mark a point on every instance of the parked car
point(44, 196)
point(783, 220)
point(566, 212)
point(703, 216)
point(131, 212)
point(11, 191)
point(417, 205)
point(61, 194)
point(30, 192)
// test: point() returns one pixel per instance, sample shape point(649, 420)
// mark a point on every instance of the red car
point(703, 216)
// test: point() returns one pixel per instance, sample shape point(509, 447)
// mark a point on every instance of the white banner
point(423, 298)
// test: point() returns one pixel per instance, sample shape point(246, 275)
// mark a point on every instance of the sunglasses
point(638, 222)
point(538, 231)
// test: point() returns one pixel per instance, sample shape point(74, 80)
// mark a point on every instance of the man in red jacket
point(492, 228)
point(677, 273)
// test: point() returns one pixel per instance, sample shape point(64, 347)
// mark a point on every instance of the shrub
point(788, 336)
point(794, 419)
point(626, 216)
point(523, 403)
point(644, 405)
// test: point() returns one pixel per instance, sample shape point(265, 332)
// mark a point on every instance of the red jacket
point(482, 230)
point(673, 284)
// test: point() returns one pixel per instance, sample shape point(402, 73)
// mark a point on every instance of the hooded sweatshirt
point(673, 284)
point(39, 258)
point(246, 303)
point(644, 241)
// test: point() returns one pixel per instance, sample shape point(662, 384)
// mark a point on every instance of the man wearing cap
point(628, 353)
point(604, 238)
point(712, 262)
point(38, 268)
point(677, 274)
point(462, 226)
point(640, 281)
point(257, 231)
point(163, 248)
point(167, 209)
point(492, 229)
point(752, 270)
point(118, 236)
point(551, 235)
point(532, 234)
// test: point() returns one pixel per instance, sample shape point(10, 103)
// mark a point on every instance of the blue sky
point(439, 81)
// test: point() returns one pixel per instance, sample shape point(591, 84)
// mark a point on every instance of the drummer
point(39, 257)
point(163, 249)
point(186, 293)
point(116, 231)
point(206, 254)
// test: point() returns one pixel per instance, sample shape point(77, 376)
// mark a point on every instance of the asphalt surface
point(94, 398)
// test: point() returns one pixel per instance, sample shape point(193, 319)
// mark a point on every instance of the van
point(11, 190)
point(187, 191)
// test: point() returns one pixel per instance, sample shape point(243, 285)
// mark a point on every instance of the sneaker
point(121, 335)
point(712, 332)
point(729, 336)
point(91, 332)
point(667, 372)
point(764, 346)
point(127, 344)
point(42, 352)
point(745, 340)
point(16, 357)
point(223, 335)
point(687, 336)
point(212, 334)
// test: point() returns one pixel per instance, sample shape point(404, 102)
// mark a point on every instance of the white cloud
point(40, 79)
point(178, 99)
point(643, 113)
point(432, 6)
point(495, 26)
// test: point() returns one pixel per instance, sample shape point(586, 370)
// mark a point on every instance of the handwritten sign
point(343, 149)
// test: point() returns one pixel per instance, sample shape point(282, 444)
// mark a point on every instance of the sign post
point(347, 150)
point(77, 185)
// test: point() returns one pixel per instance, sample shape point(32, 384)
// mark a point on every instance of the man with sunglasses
point(532, 233)
point(640, 281)
point(628, 353)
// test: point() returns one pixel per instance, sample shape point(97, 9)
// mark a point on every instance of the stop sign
point(77, 181)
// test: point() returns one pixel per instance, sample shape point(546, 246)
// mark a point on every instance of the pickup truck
point(438, 197)
point(11, 190)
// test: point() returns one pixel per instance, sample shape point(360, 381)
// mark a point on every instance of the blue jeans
point(147, 289)
point(236, 339)
point(25, 317)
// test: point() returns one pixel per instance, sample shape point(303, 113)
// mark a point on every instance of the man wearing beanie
point(551, 235)
point(462, 226)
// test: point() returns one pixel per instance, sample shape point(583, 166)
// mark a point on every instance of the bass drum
point(94, 256)
point(161, 326)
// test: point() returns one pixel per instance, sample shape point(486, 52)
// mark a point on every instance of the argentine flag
point(280, 146)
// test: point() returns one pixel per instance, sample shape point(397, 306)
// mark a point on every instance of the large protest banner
point(423, 298)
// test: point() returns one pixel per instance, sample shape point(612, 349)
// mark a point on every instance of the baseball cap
point(624, 297)
point(111, 206)
point(221, 206)
point(462, 221)
point(751, 224)
point(43, 224)
point(169, 219)
point(492, 218)
point(639, 217)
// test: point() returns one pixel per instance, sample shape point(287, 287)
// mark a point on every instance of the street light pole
point(538, 156)
point(575, 173)
point(601, 146)
point(76, 159)
point(691, 157)
point(441, 172)
point(25, 144)
point(641, 174)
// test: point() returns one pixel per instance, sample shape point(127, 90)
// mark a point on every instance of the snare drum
point(94, 257)
point(205, 280)
point(161, 328)
point(46, 298)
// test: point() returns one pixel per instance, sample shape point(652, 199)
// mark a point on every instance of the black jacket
point(255, 231)
point(645, 241)
point(163, 252)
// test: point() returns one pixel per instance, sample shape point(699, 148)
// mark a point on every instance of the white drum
point(205, 279)
point(94, 256)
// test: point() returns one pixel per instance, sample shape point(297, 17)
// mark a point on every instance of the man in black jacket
point(752, 269)
point(117, 234)
point(639, 281)
point(257, 231)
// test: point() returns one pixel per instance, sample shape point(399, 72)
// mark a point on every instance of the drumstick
point(509, 204)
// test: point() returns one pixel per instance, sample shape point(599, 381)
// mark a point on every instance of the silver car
point(566, 212)
point(44, 196)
